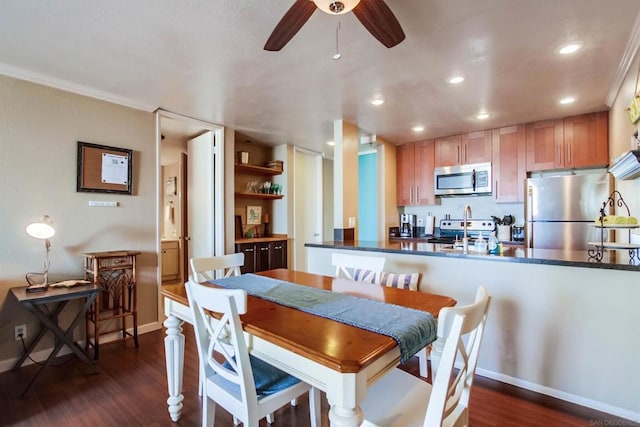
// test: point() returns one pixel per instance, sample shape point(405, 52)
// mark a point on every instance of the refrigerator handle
point(529, 219)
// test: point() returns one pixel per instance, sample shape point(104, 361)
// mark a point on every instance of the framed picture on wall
point(103, 169)
point(254, 215)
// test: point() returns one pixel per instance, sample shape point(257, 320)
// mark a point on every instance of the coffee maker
point(407, 225)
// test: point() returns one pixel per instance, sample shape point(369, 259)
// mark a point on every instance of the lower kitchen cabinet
point(260, 255)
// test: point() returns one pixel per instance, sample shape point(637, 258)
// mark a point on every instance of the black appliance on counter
point(453, 229)
point(407, 225)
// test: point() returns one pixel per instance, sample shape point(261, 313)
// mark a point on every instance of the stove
point(453, 229)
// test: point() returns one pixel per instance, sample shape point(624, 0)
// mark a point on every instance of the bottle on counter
point(480, 245)
point(493, 244)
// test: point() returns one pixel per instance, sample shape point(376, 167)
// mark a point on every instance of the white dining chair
point(247, 387)
point(204, 269)
point(369, 267)
point(400, 399)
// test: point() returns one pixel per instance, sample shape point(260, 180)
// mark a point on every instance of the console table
point(38, 304)
point(115, 273)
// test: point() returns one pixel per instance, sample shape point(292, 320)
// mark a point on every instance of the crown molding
point(628, 58)
point(42, 79)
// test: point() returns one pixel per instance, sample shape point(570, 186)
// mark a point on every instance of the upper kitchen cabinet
point(586, 140)
point(473, 147)
point(509, 163)
point(574, 142)
point(414, 170)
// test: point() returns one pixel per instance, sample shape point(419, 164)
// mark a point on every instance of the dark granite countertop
point(614, 260)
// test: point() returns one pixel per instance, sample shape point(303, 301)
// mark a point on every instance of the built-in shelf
point(262, 196)
point(256, 170)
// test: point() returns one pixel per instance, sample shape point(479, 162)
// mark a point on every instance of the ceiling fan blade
point(290, 24)
point(376, 17)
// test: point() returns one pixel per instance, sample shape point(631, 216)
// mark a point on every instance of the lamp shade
point(333, 7)
point(42, 229)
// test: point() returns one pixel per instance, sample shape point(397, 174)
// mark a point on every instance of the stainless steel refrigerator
point(560, 211)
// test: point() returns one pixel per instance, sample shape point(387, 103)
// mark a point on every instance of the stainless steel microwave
point(467, 179)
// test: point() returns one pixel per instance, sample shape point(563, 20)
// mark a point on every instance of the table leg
point(43, 330)
point(344, 393)
point(174, 354)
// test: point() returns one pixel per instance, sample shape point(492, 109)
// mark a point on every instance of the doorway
point(175, 135)
point(307, 204)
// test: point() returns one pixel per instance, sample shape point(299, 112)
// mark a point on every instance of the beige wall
point(345, 174)
point(39, 128)
point(620, 131)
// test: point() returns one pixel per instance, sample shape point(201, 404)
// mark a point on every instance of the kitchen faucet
point(465, 217)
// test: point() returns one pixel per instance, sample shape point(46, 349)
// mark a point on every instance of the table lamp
point(42, 230)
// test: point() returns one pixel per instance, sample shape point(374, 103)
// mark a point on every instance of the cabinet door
point(545, 145)
point(170, 261)
point(476, 147)
point(447, 151)
point(586, 140)
point(424, 163)
point(509, 169)
point(405, 176)
point(262, 256)
point(249, 250)
point(278, 254)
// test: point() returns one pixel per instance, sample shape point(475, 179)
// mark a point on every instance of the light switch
point(352, 221)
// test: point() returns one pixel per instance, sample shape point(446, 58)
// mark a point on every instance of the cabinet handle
point(458, 154)
point(417, 194)
point(264, 249)
point(568, 154)
point(559, 152)
point(464, 153)
point(249, 250)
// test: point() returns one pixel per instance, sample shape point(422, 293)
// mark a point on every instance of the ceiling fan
point(375, 15)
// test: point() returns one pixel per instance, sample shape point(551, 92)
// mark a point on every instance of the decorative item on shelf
point(265, 219)
point(608, 222)
point(41, 230)
point(275, 164)
point(243, 157)
point(254, 215)
point(266, 187)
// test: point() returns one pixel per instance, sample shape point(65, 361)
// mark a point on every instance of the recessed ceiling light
point(568, 49)
point(567, 100)
point(418, 128)
point(482, 116)
point(331, 143)
point(377, 101)
point(454, 80)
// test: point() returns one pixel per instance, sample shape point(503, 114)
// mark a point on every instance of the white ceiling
point(204, 59)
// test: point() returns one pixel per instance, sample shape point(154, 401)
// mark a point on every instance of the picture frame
point(104, 169)
point(254, 215)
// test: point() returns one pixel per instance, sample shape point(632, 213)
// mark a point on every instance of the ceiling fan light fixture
point(333, 7)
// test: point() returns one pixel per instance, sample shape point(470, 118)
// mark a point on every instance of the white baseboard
point(42, 355)
point(568, 397)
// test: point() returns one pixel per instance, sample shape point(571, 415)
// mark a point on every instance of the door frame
point(218, 176)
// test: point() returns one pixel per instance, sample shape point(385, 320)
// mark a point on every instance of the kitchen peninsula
point(558, 324)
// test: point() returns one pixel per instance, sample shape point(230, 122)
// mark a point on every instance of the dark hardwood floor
point(131, 390)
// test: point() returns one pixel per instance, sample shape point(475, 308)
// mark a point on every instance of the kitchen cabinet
point(263, 254)
point(472, 147)
point(573, 142)
point(509, 163)
point(586, 140)
point(414, 173)
point(170, 260)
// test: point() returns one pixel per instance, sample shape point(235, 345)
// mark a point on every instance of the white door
point(201, 195)
point(308, 204)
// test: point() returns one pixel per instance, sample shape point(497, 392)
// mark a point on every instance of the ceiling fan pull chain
point(337, 55)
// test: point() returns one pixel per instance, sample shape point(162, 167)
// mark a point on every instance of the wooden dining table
point(337, 358)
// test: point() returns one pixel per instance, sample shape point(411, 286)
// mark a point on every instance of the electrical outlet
point(21, 331)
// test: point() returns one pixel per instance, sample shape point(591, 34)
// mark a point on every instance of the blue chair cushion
point(267, 378)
